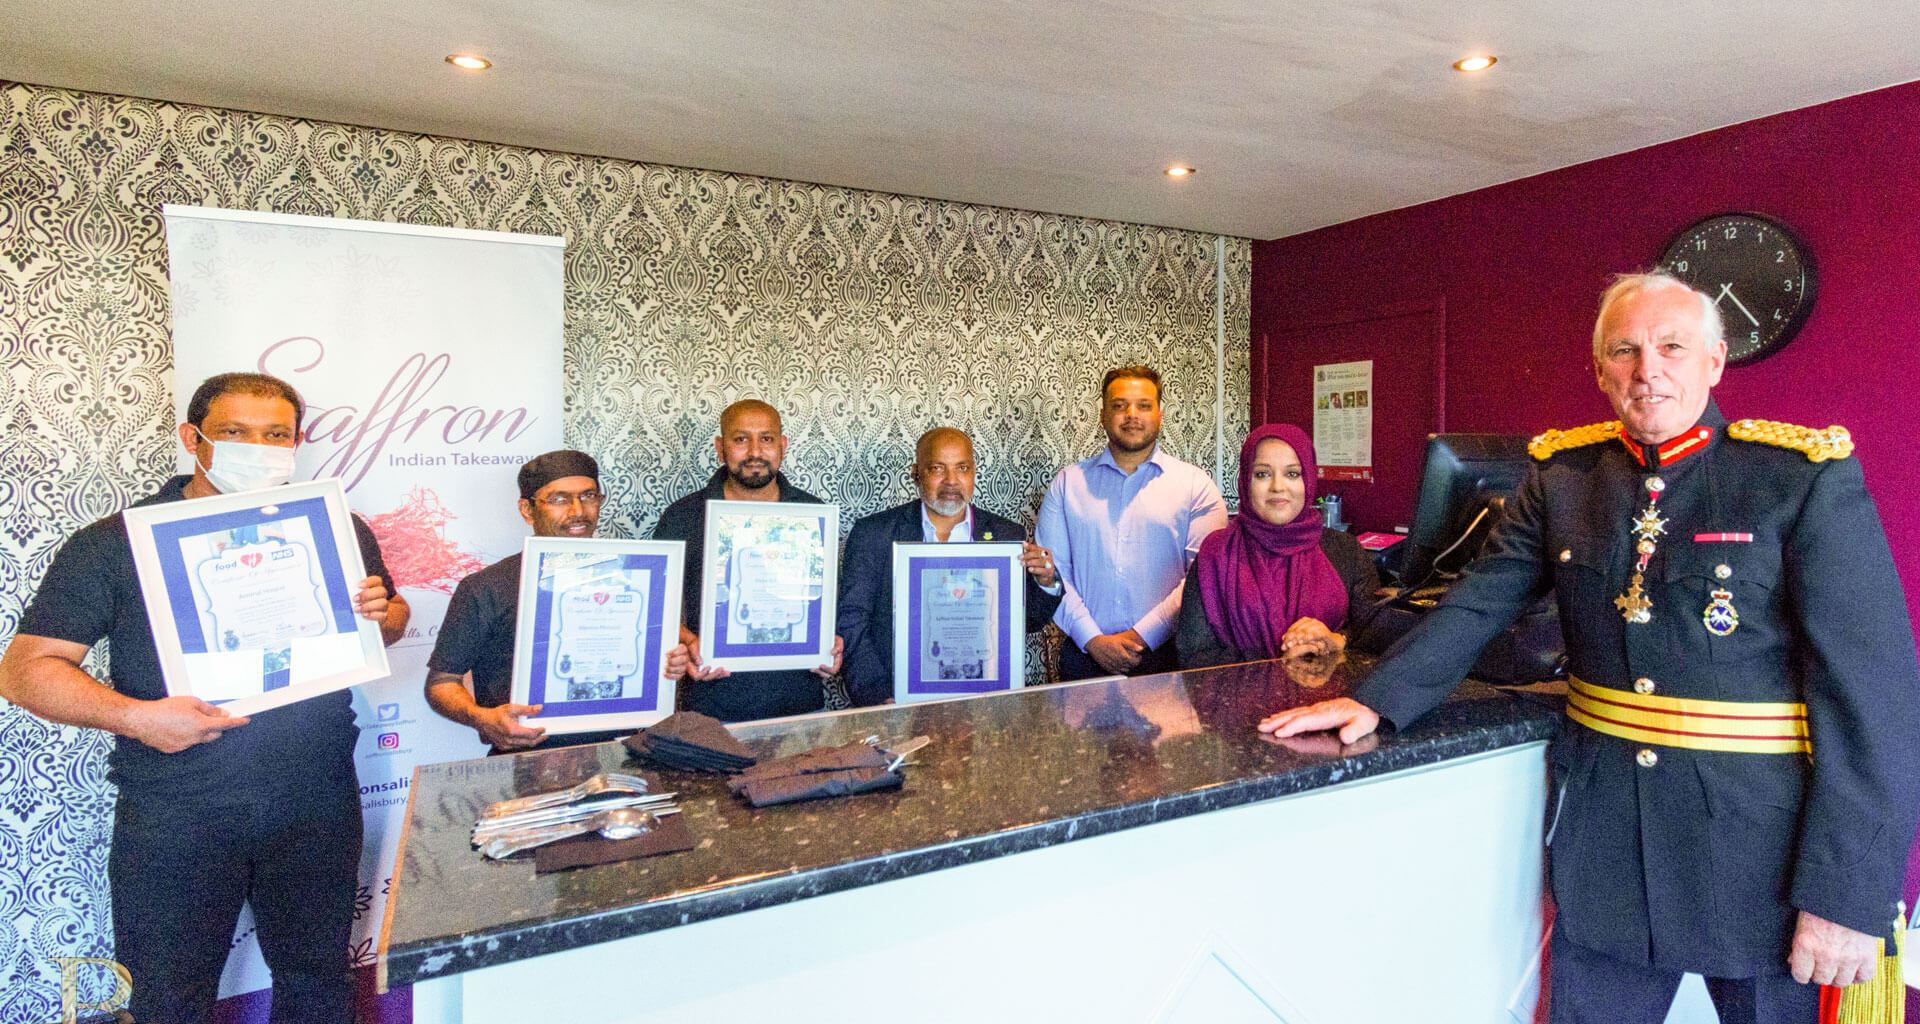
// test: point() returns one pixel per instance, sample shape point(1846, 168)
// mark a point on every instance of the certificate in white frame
point(959, 619)
point(767, 585)
point(596, 621)
point(250, 595)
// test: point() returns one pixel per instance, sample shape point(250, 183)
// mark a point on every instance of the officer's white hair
point(1626, 285)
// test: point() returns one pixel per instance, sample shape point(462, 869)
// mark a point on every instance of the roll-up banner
point(430, 363)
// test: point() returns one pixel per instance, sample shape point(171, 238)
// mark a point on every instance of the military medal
point(1634, 605)
point(1721, 617)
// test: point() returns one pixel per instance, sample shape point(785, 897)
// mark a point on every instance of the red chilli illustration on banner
point(414, 542)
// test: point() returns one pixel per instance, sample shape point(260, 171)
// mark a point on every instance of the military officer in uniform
point(1735, 790)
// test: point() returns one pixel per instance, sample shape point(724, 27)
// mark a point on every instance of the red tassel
point(1829, 1005)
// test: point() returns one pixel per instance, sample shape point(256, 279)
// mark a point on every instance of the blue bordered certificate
point(959, 620)
point(250, 595)
point(596, 621)
point(767, 586)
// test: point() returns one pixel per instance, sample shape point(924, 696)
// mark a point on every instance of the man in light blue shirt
point(1123, 526)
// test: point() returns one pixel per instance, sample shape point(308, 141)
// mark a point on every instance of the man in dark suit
point(943, 470)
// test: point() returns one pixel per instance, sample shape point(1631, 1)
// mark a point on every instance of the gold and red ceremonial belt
point(1742, 727)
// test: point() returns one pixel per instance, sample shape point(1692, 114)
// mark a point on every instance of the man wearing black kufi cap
point(559, 497)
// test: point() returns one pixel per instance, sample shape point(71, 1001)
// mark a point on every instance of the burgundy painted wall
point(1518, 269)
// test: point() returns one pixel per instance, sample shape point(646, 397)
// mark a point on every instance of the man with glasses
point(559, 497)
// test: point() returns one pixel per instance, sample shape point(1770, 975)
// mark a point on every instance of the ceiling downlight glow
point(469, 62)
point(1475, 63)
point(1179, 171)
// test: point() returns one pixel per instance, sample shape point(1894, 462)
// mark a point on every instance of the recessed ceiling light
point(469, 61)
point(1474, 63)
point(1179, 171)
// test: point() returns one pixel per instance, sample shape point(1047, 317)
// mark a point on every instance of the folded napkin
point(787, 789)
point(669, 835)
point(690, 741)
point(820, 772)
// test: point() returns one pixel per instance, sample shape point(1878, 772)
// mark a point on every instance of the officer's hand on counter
point(1351, 717)
point(1826, 953)
point(501, 726)
point(172, 724)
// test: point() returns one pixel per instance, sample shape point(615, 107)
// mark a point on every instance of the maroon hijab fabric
point(1256, 579)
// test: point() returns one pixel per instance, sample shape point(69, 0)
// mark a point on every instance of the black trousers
point(1590, 987)
point(180, 870)
point(1077, 664)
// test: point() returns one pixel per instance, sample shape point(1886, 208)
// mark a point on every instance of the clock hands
point(1726, 291)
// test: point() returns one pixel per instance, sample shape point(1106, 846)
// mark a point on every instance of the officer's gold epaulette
point(1818, 445)
point(1544, 446)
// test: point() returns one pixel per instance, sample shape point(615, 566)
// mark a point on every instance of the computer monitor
point(1463, 474)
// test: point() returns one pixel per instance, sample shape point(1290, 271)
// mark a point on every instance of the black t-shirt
point(744, 695)
point(477, 633)
point(92, 593)
point(477, 636)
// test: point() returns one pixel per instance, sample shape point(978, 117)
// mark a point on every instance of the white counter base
point(1413, 896)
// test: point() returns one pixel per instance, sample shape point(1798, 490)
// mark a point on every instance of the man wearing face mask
point(751, 447)
point(559, 497)
point(214, 810)
point(943, 471)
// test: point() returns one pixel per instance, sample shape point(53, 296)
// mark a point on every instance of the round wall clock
point(1756, 270)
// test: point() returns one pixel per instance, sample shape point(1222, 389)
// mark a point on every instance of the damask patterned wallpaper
point(864, 317)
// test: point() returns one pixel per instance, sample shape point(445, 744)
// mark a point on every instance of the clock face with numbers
point(1755, 270)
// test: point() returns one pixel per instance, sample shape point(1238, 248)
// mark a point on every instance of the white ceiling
point(1299, 113)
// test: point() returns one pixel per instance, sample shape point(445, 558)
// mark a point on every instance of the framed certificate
point(959, 620)
point(250, 595)
point(596, 620)
point(768, 585)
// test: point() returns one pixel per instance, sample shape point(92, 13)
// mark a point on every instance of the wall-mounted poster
point(1343, 420)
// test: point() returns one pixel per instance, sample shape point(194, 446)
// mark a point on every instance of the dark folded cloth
point(820, 772)
point(785, 789)
point(658, 747)
point(690, 741)
point(819, 759)
point(669, 835)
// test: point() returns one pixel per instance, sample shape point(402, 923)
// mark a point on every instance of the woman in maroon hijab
point(1275, 581)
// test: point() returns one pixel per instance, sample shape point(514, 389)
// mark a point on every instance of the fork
point(604, 782)
point(549, 815)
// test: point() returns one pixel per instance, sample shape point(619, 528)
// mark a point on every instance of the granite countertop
point(1005, 773)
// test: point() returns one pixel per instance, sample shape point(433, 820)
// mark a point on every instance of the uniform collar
point(1686, 443)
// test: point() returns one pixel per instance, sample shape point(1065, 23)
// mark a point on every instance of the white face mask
point(238, 466)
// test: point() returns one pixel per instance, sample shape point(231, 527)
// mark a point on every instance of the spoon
point(616, 823)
